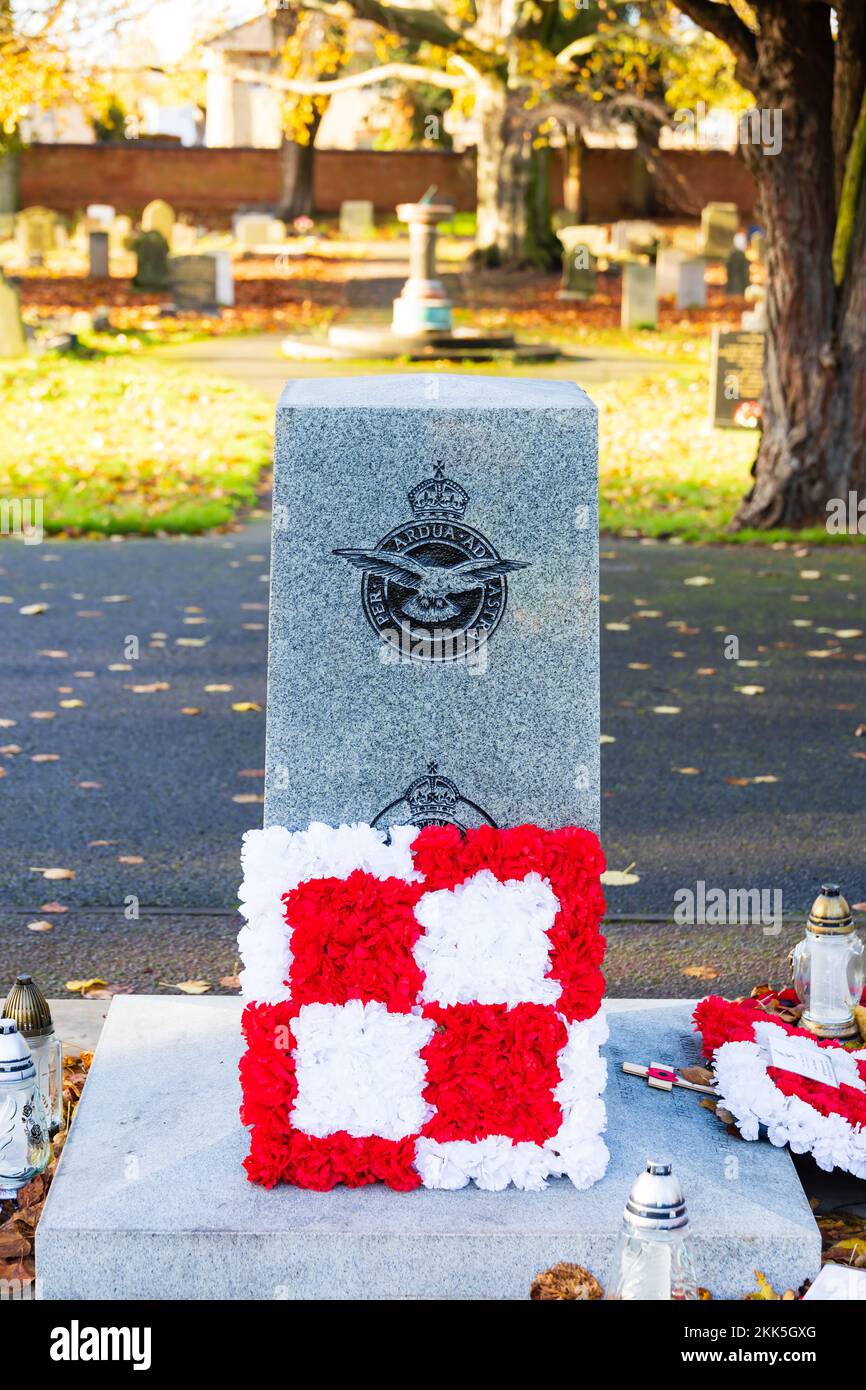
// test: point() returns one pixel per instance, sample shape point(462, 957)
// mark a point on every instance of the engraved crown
point(433, 795)
point(438, 497)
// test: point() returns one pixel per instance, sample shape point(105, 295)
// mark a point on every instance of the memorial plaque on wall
point(736, 380)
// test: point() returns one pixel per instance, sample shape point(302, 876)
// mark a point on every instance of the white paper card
point(838, 1282)
point(800, 1055)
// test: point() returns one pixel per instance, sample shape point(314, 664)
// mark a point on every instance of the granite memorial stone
point(433, 649)
point(203, 282)
point(639, 299)
point(98, 244)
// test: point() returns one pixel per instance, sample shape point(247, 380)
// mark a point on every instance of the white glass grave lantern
point(652, 1258)
point(27, 1006)
point(25, 1147)
point(827, 966)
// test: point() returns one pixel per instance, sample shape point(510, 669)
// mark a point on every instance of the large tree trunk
point(503, 172)
point(296, 176)
point(813, 443)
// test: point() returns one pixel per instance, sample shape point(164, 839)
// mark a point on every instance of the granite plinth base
point(150, 1199)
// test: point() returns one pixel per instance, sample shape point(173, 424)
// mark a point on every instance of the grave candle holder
point(25, 1147)
point(27, 1006)
point(652, 1259)
point(828, 967)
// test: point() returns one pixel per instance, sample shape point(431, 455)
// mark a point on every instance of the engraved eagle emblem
point(431, 585)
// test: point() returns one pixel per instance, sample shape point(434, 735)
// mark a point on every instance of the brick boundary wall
point(211, 184)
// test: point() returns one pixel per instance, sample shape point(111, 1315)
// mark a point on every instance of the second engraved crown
point(438, 497)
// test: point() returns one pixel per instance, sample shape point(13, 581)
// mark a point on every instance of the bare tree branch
point(404, 72)
point(720, 19)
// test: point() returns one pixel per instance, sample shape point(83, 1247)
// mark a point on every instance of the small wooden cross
point(663, 1077)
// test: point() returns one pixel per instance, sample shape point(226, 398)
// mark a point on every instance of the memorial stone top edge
point(439, 391)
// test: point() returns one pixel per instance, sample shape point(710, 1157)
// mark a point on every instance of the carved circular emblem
point(434, 588)
point(439, 603)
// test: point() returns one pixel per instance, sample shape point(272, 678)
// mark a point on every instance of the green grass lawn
point(128, 445)
point(132, 444)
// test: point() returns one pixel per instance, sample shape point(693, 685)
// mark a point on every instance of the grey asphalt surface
point(167, 780)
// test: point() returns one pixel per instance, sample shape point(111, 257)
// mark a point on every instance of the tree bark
point(503, 172)
point(813, 442)
point(572, 174)
point(297, 164)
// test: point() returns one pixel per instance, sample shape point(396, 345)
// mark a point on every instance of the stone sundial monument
point(422, 304)
point(422, 320)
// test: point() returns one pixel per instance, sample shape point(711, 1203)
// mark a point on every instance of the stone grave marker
point(100, 212)
point(668, 262)
point(98, 246)
point(254, 229)
point(738, 271)
point(719, 223)
point(151, 249)
point(588, 234)
point(12, 340)
point(159, 216)
point(473, 700)
point(736, 379)
point(120, 232)
point(356, 218)
point(202, 283)
point(639, 299)
point(36, 229)
point(578, 272)
point(184, 238)
point(691, 290)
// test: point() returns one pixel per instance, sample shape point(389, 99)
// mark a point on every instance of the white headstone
point(639, 300)
point(100, 212)
point(691, 291)
point(356, 218)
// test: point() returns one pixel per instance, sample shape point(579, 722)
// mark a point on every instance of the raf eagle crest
point(434, 586)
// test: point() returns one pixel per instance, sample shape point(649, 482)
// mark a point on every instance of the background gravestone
point(639, 300)
point(691, 290)
point(37, 233)
point(668, 262)
point(736, 379)
point(97, 245)
point(356, 218)
point(578, 273)
point(719, 223)
point(159, 216)
point(12, 341)
point(738, 272)
point(433, 650)
point(151, 249)
point(203, 282)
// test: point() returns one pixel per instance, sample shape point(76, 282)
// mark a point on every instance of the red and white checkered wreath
point(826, 1118)
point(423, 1011)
